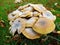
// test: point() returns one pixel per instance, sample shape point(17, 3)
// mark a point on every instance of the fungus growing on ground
point(30, 33)
point(18, 25)
point(32, 20)
point(44, 26)
point(49, 15)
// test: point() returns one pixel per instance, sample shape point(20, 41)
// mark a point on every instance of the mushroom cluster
point(32, 20)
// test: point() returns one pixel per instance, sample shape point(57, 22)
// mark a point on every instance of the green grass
point(7, 6)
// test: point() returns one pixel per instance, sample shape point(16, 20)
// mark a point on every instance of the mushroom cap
point(36, 13)
point(14, 15)
point(25, 6)
point(27, 14)
point(31, 21)
point(30, 33)
point(49, 15)
point(28, 9)
point(11, 22)
point(44, 26)
point(38, 7)
point(18, 25)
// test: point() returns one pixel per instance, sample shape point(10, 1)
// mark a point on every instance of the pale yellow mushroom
point(17, 13)
point(11, 22)
point(27, 14)
point(44, 26)
point(18, 25)
point(36, 14)
point(30, 33)
point(49, 15)
point(30, 22)
point(25, 6)
point(28, 9)
point(30, 14)
point(38, 7)
point(14, 14)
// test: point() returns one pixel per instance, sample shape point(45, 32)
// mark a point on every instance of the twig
point(53, 38)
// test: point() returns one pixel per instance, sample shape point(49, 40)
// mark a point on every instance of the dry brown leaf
point(58, 15)
point(2, 24)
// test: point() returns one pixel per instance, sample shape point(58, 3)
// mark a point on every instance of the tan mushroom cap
point(30, 33)
point(18, 25)
point(28, 14)
point(30, 22)
point(44, 26)
point(25, 6)
point(49, 15)
point(39, 7)
point(15, 14)
point(28, 9)
point(36, 14)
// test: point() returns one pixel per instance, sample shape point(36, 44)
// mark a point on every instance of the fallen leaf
point(2, 24)
point(58, 15)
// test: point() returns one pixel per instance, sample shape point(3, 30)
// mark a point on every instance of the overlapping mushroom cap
point(30, 20)
point(49, 15)
point(44, 26)
point(30, 33)
point(17, 25)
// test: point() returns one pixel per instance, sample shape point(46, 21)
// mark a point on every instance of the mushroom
point(44, 26)
point(27, 14)
point(18, 25)
point(38, 7)
point(14, 14)
point(49, 15)
point(25, 6)
point(30, 33)
point(30, 22)
point(11, 22)
point(17, 13)
point(28, 9)
point(36, 14)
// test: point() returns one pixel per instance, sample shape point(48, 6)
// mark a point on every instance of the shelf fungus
point(30, 33)
point(44, 26)
point(18, 25)
point(32, 20)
